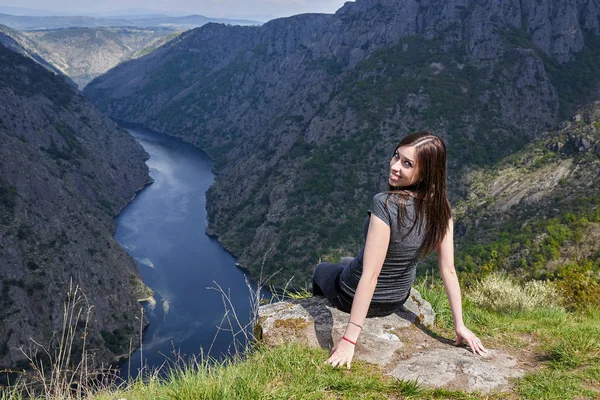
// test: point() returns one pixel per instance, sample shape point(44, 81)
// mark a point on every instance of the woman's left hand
point(464, 334)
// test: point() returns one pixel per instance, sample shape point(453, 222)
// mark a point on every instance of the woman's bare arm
point(445, 252)
point(378, 238)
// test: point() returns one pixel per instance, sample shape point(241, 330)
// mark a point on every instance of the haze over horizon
point(262, 10)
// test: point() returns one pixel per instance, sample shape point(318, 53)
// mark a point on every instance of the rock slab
point(458, 368)
point(315, 323)
point(401, 343)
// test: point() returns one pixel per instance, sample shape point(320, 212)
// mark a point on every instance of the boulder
point(401, 343)
point(315, 323)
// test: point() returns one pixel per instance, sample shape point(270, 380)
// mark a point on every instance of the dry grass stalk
point(64, 369)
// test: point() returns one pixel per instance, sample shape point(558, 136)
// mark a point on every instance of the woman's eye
point(408, 163)
point(396, 155)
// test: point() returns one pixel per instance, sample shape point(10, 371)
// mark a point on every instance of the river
point(163, 229)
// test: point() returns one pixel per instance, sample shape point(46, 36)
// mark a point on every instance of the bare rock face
point(286, 322)
point(400, 342)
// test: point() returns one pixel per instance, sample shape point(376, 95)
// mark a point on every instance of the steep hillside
point(17, 42)
point(538, 209)
point(65, 172)
point(302, 113)
point(85, 53)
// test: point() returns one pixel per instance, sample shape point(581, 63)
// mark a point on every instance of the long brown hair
point(429, 193)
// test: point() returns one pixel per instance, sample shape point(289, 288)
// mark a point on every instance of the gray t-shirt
point(400, 265)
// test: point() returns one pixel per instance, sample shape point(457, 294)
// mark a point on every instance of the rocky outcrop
point(401, 343)
point(300, 113)
point(457, 368)
point(533, 175)
point(65, 172)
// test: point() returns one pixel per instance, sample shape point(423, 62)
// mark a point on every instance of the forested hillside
point(302, 113)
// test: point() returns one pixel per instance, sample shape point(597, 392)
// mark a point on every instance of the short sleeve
point(380, 209)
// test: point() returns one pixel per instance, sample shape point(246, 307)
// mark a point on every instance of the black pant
point(326, 283)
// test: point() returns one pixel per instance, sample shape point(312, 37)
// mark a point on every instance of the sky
point(262, 10)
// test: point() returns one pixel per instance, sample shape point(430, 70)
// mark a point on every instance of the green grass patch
point(286, 372)
point(554, 384)
point(566, 347)
point(575, 348)
point(593, 374)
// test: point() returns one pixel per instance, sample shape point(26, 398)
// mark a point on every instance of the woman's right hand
point(464, 333)
point(341, 354)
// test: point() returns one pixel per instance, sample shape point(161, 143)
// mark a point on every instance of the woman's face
point(403, 167)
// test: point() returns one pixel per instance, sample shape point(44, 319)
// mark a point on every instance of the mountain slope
point(538, 209)
point(301, 114)
point(65, 172)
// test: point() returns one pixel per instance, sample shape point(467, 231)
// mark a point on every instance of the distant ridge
point(28, 11)
point(20, 22)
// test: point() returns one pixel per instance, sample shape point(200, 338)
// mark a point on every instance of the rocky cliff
point(65, 172)
point(301, 114)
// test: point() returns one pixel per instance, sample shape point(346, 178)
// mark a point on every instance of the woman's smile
point(403, 168)
point(394, 177)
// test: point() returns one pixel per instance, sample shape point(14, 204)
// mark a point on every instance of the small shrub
point(579, 285)
point(8, 196)
point(24, 232)
point(32, 265)
point(501, 293)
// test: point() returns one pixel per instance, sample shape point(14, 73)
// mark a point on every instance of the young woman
point(404, 225)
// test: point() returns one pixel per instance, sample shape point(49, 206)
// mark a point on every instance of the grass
point(552, 384)
point(286, 372)
point(565, 348)
point(503, 293)
point(564, 363)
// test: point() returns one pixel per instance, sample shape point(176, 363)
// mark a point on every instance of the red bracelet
point(348, 340)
